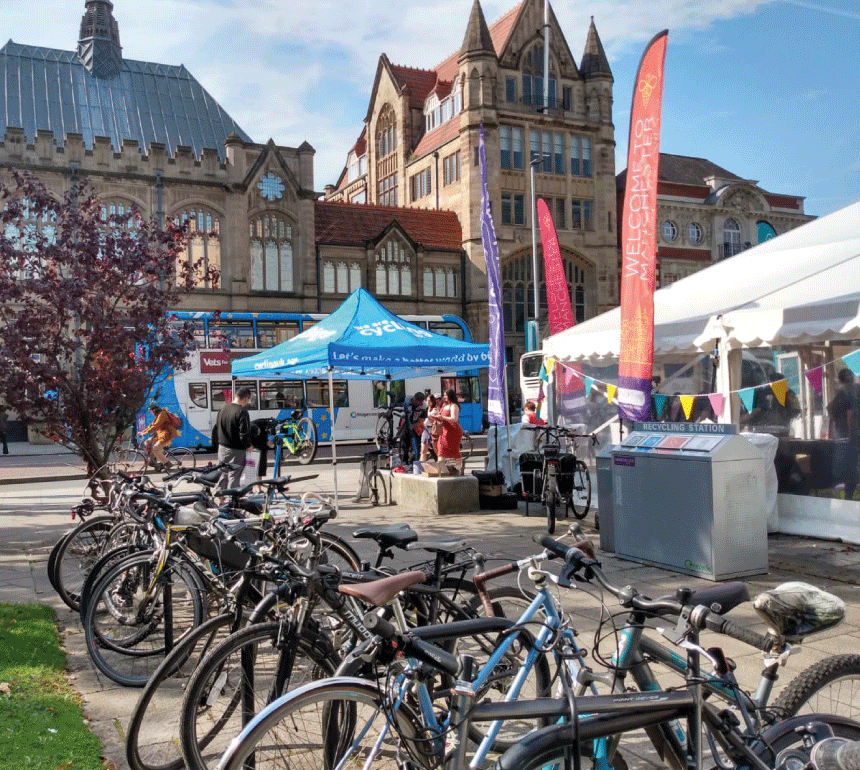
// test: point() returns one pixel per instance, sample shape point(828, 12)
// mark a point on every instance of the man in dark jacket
point(844, 413)
point(233, 426)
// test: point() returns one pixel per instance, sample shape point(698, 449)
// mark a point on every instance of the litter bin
point(604, 498)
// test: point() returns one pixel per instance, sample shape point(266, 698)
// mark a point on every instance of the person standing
point(448, 447)
point(530, 415)
point(4, 427)
point(233, 426)
point(844, 413)
point(427, 433)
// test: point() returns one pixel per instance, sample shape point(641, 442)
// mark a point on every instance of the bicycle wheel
point(330, 724)
point(830, 686)
point(243, 674)
point(183, 457)
point(77, 554)
point(152, 739)
point(128, 460)
point(306, 440)
point(580, 497)
point(466, 447)
point(379, 491)
point(550, 503)
point(134, 616)
point(383, 433)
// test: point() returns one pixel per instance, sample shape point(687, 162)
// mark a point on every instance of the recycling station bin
point(688, 497)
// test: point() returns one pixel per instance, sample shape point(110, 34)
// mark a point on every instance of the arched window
point(533, 73)
point(440, 282)
point(694, 232)
point(518, 291)
point(386, 157)
point(202, 252)
point(271, 253)
point(120, 212)
point(731, 238)
point(386, 132)
point(340, 277)
point(394, 267)
point(34, 228)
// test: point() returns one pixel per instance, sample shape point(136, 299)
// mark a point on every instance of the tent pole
point(333, 442)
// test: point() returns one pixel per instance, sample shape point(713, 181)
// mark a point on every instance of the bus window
point(232, 334)
point(381, 388)
point(197, 394)
point(281, 394)
point(318, 394)
point(448, 329)
point(468, 389)
point(307, 325)
point(531, 364)
point(271, 333)
point(222, 393)
point(197, 326)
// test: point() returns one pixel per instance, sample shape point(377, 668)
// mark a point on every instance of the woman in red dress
point(448, 446)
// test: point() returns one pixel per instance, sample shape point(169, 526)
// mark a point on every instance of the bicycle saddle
point(399, 535)
point(379, 592)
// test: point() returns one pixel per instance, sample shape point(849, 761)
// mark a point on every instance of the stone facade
point(706, 214)
point(419, 148)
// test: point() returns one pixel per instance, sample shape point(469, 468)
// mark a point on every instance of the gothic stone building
point(706, 214)
point(419, 148)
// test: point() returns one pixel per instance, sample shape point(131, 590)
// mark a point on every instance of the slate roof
point(49, 89)
point(682, 169)
point(358, 224)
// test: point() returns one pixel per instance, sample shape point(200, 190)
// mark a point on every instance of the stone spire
point(477, 39)
point(594, 61)
point(98, 43)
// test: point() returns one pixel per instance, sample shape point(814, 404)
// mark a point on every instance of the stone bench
point(436, 494)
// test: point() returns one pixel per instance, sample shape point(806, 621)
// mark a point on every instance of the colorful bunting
point(589, 381)
point(747, 396)
point(852, 361)
point(610, 392)
point(780, 388)
point(814, 376)
point(659, 404)
point(717, 400)
point(687, 404)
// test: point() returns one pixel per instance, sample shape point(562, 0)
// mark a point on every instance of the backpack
point(175, 419)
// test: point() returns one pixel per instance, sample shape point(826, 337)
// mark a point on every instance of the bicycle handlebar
point(410, 646)
point(836, 754)
point(700, 616)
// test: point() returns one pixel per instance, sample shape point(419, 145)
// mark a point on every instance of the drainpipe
point(436, 158)
point(463, 285)
point(319, 287)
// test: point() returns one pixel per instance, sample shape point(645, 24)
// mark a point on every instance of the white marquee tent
point(801, 287)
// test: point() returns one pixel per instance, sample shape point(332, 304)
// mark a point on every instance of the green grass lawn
point(40, 716)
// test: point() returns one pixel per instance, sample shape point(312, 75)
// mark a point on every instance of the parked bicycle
point(295, 437)
point(556, 477)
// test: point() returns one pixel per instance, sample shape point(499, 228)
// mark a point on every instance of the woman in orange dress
point(448, 445)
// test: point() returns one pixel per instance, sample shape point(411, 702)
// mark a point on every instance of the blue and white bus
point(201, 390)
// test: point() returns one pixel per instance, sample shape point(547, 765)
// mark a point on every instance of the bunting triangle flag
point(852, 361)
point(687, 404)
point(610, 392)
point(659, 404)
point(717, 400)
point(779, 388)
point(747, 396)
point(589, 382)
point(814, 377)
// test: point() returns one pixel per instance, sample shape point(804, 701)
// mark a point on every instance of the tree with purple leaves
point(85, 324)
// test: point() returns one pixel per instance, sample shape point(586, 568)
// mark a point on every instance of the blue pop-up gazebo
point(362, 340)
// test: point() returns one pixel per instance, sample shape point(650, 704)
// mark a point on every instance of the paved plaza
point(36, 493)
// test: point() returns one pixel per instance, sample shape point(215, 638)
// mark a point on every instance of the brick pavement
point(34, 514)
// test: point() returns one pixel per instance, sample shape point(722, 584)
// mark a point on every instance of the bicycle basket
point(564, 479)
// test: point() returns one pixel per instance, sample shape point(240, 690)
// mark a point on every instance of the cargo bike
point(554, 476)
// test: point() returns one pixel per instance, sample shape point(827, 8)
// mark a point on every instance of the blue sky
point(768, 89)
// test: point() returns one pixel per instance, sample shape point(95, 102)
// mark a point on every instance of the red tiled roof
point(351, 223)
point(438, 136)
point(500, 31)
point(360, 146)
point(419, 82)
